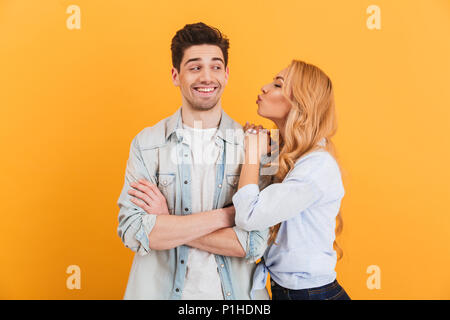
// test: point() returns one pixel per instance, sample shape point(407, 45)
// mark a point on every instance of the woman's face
point(272, 104)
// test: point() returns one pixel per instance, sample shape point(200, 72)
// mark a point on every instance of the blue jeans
point(331, 291)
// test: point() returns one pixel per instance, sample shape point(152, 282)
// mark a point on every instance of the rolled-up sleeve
point(134, 223)
point(256, 210)
point(253, 242)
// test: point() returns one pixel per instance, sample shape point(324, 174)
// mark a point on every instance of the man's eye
point(217, 67)
point(195, 68)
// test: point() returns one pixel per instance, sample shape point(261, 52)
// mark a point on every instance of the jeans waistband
point(327, 286)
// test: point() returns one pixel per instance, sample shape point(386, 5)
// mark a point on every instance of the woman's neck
point(281, 124)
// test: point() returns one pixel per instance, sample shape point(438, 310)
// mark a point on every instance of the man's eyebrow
point(190, 60)
point(198, 59)
point(218, 59)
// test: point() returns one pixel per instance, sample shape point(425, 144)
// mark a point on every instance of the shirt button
point(222, 265)
point(185, 182)
point(228, 294)
point(164, 182)
point(182, 261)
point(220, 186)
point(177, 290)
point(186, 209)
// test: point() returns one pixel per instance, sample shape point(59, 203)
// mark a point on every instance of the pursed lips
point(259, 99)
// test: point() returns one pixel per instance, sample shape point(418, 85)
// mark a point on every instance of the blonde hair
point(311, 119)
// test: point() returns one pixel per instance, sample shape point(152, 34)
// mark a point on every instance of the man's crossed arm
point(208, 231)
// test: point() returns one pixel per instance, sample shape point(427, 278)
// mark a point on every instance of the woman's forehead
point(282, 74)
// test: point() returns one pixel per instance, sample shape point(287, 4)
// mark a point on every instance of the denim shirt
point(306, 203)
point(159, 155)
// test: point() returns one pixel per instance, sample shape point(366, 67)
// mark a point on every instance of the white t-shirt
point(202, 280)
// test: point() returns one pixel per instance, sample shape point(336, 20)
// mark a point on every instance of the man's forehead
point(202, 52)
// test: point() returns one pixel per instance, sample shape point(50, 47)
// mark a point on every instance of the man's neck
point(207, 118)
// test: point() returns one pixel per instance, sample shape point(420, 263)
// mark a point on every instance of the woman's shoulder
point(316, 166)
point(314, 159)
point(321, 169)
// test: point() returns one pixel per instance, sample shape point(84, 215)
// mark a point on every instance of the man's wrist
point(222, 218)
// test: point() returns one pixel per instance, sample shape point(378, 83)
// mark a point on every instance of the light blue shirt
point(306, 203)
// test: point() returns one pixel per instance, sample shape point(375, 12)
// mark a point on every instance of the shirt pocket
point(166, 184)
point(233, 180)
point(231, 184)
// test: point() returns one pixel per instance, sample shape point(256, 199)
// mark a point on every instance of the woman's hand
point(257, 140)
point(148, 197)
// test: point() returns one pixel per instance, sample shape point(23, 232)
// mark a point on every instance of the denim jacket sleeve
point(253, 242)
point(134, 223)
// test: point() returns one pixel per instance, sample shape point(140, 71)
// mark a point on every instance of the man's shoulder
point(231, 123)
point(153, 136)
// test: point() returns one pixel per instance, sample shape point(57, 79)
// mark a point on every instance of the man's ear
point(175, 77)
point(227, 74)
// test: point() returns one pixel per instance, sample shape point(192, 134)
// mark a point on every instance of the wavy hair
point(311, 119)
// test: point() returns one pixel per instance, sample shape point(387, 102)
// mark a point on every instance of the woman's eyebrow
point(279, 77)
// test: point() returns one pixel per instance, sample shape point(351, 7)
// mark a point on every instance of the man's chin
point(204, 106)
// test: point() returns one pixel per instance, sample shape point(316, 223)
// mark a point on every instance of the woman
point(302, 205)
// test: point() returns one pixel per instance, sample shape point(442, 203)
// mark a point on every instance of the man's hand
point(228, 215)
point(148, 197)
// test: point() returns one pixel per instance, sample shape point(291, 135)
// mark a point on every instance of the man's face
point(202, 76)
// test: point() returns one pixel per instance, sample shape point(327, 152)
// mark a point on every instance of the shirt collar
point(226, 123)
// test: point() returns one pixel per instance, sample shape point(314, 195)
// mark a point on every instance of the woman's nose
point(263, 89)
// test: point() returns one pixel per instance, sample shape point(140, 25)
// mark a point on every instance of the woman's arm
point(257, 210)
point(256, 144)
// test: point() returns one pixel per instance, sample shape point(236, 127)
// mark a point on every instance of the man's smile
point(205, 91)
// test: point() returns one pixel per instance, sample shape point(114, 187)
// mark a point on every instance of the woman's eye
point(277, 85)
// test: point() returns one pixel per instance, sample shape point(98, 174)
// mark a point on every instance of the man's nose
point(205, 75)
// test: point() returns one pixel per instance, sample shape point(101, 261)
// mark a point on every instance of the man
point(173, 205)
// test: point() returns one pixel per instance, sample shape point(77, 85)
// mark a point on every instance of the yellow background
point(72, 100)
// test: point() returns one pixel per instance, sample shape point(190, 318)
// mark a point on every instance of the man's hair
point(197, 34)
